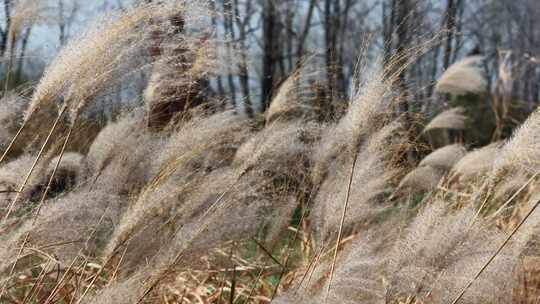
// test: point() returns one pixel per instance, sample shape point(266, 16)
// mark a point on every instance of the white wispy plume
point(295, 97)
point(423, 178)
point(476, 163)
point(78, 223)
point(431, 260)
point(118, 160)
point(368, 129)
point(444, 158)
point(521, 151)
point(464, 76)
point(99, 57)
point(449, 119)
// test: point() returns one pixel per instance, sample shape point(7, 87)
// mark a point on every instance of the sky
point(44, 40)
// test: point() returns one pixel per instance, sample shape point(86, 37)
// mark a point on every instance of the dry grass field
point(185, 200)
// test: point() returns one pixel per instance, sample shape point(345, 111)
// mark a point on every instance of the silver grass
point(423, 178)
point(435, 257)
point(118, 160)
point(368, 130)
point(464, 76)
point(368, 112)
point(521, 152)
point(76, 223)
point(510, 185)
point(444, 158)
point(253, 206)
point(67, 174)
point(11, 114)
point(373, 179)
point(441, 252)
point(123, 292)
point(449, 119)
point(11, 176)
point(98, 57)
point(195, 224)
point(200, 146)
point(294, 98)
point(476, 163)
point(178, 74)
point(71, 161)
point(291, 139)
point(207, 141)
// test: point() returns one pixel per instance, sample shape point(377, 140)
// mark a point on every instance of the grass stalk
point(180, 254)
point(341, 225)
point(286, 261)
point(496, 253)
point(38, 157)
point(13, 140)
point(55, 170)
point(12, 270)
point(35, 287)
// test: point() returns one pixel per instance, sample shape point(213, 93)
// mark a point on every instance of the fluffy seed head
point(423, 178)
point(476, 163)
point(294, 98)
point(464, 76)
point(444, 158)
point(450, 119)
point(522, 151)
point(99, 57)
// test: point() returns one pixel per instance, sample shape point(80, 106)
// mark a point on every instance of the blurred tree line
point(278, 34)
point(271, 38)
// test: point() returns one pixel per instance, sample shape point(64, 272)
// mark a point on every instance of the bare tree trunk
point(65, 21)
point(229, 30)
point(61, 23)
point(403, 34)
point(451, 13)
point(331, 32)
point(269, 50)
point(403, 31)
point(389, 23)
point(289, 34)
point(219, 78)
point(305, 32)
point(24, 45)
point(5, 32)
point(243, 65)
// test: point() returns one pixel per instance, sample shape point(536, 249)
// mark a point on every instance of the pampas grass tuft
point(294, 98)
point(435, 257)
point(521, 152)
point(11, 114)
point(476, 163)
point(464, 76)
point(450, 119)
point(118, 159)
point(11, 176)
point(444, 158)
point(292, 198)
point(67, 175)
point(424, 178)
point(98, 58)
point(78, 223)
point(368, 130)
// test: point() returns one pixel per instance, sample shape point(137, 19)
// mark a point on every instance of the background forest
point(269, 39)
